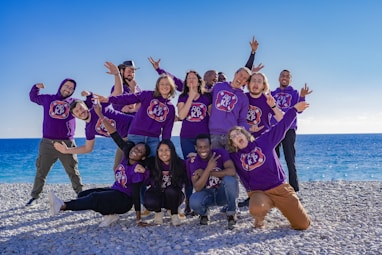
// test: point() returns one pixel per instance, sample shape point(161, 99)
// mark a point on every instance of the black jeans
point(170, 198)
point(288, 144)
point(103, 200)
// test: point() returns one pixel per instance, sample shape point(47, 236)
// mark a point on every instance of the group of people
point(228, 138)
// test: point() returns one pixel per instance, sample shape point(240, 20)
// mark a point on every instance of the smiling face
point(164, 153)
point(137, 153)
point(240, 79)
point(164, 87)
point(81, 111)
point(67, 89)
point(203, 148)
point(238, 139)
point(285, 78)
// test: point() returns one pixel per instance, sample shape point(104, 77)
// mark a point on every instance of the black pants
point(170, 198)
point(289, 150)
point(103, 200)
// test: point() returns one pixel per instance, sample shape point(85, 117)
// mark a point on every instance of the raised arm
point(178, 82)
point(278, 114)
point(254, 45)
point(118, 86)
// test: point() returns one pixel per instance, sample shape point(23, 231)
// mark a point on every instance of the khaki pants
point(285, 199)
point(47, 156)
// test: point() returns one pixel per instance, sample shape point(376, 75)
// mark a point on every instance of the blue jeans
point(226, 194)
point(152, 142)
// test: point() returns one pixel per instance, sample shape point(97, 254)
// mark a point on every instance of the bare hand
point(213, 161)
point(101, 99)
point(98, 109)
point(255, 128)
point(154, 63)
point(61, 147)
point(139, 169)
point(254, 44)
point(256, 69)
point(85, 93)
point(40, 85)
point(193, 93)
point(113, 69)
point(301, 106)
point(270, 100)
point(305, 91)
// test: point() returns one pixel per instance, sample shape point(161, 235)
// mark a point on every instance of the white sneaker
point(158, 218)
point(108, 220)
point(175, 220)
point(55, 203)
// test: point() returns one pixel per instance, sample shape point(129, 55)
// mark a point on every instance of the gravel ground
point(346, 219)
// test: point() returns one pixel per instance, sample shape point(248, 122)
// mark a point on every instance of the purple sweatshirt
point(197, 118)
point(125, 176)
point(126, 90)
point(257, 165)
point(119, 120)
point(199, 163)
point(286, 99)
point(229, 108)
point(58, 123)
point(155, 117)
point(259, 113)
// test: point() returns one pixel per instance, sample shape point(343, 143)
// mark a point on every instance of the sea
point(320, 157)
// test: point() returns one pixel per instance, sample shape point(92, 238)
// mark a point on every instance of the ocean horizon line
point(99, 137)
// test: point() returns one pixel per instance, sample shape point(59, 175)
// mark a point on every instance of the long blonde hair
point(172, 83)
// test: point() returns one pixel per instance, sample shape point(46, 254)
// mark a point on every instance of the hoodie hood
point(62, 83)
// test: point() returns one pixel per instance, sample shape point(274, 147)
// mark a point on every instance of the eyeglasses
point(234, 135)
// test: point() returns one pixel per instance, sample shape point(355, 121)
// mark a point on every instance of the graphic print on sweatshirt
point(166, 179)
point(225, 101)
point(101, 129)
point(252, 160)
point(59, 110)
point(120, 175)
point(254, 115)
point(213, 181)
point(198, 112)
point(283, 100)
point(157, 110)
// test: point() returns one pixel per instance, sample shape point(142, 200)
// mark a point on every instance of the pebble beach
point(346, 219)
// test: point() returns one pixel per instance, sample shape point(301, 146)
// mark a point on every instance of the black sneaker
point(204, 220)
point(231, 221)
point(32, 202)
point(243, 203)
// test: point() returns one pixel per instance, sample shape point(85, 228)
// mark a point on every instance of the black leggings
point(170, 198)
point(103, 200)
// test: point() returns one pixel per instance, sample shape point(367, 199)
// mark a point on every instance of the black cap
point(128, 63)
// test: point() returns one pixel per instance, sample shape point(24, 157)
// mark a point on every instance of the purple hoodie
point(257, 165)
point(286, 99)
point(125, 176)
point(58, 123)
point(229, 109)
point(154, 118)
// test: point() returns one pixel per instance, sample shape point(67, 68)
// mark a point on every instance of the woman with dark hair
point(193, 110)
point(167, 179)
point(123, 194)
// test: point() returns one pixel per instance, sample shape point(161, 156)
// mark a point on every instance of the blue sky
point(333, 46)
